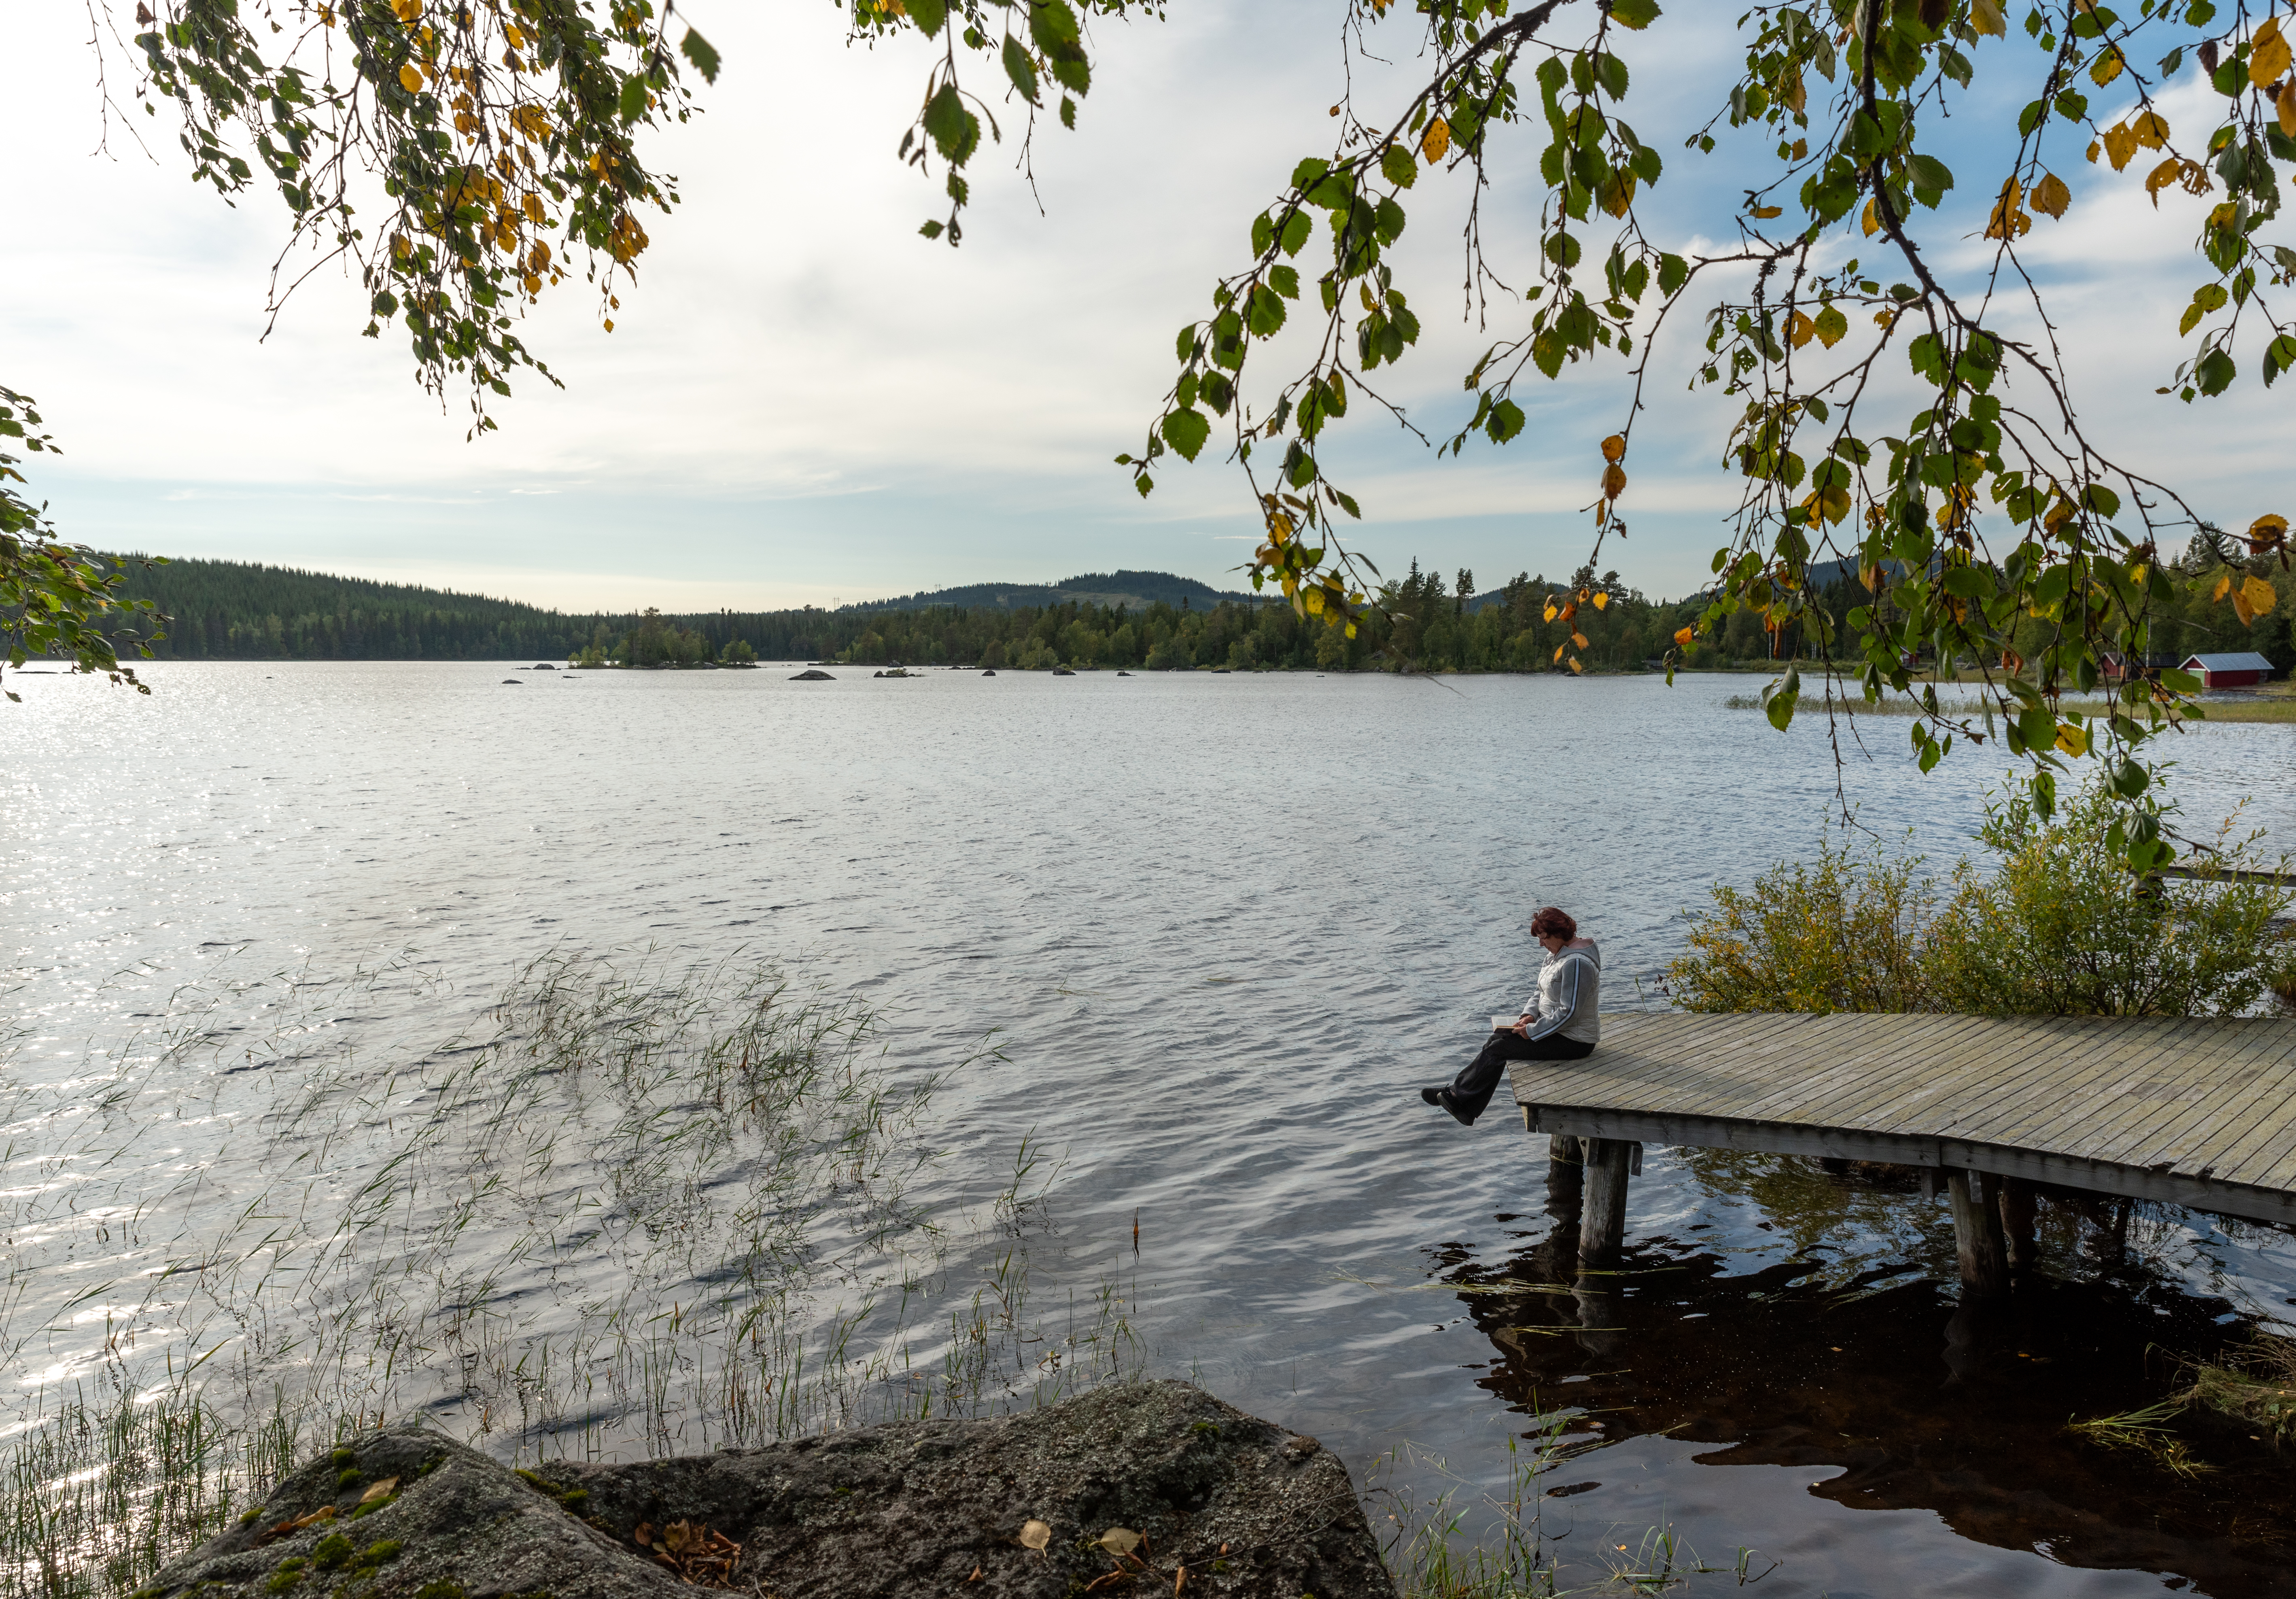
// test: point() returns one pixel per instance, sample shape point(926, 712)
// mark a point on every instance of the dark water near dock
point(1224, 927)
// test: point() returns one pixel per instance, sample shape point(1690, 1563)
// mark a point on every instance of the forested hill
point(1135, 591)
point(231, 610)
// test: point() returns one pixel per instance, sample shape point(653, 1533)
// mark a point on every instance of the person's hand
point(1523, 1028)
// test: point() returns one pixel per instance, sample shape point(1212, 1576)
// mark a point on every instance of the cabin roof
point(2237, 660)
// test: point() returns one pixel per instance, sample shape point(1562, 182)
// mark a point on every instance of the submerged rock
point(514, 683)
point(1141, 1479)
point(813, 675)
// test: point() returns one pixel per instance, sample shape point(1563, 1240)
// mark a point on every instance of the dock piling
point(2018, 1209)
point(1602, 1218)
point(1976, 1198)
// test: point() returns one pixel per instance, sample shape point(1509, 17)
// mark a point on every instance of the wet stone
point(1137, 1478)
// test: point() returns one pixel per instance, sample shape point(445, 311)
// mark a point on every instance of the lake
point(1198, 939)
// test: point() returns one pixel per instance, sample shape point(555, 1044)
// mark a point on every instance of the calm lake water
point(1222, 929)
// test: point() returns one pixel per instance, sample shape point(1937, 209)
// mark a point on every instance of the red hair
point(1553, 923)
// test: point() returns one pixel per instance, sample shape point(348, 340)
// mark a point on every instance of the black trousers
point(1472, 1089)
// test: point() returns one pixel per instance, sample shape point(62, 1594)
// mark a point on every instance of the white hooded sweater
point(1568, 1001)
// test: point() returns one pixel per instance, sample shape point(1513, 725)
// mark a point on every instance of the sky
point(804, 402)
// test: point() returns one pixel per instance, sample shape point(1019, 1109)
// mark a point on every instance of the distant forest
point(230, 610)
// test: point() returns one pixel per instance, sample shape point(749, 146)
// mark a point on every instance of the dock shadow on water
point(2057, 1422)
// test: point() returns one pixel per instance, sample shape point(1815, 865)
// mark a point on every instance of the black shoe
point(1442, 1096)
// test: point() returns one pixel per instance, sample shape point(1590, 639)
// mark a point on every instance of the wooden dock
point(2199, 1112)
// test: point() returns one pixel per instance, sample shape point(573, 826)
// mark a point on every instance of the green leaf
point(1307, 172)
point(928, 15)
point(1296, 228)
point(634, 97)
point(1505, 421)
point(1068, 114)
point(2102, 500)
point(1020, 68)
point(954, 129)
point(1927, 355)
point(1929, 173)
point(1673, 272)
point(1284, 281)
point(702, 54)
point(1611, 72)
point(1398, 166)
point(1186, 430)
point(2216, 372)
point(1637, 14)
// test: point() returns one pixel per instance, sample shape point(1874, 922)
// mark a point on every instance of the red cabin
point(2243, 668)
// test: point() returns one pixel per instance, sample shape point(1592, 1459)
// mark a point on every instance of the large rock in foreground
point(1115, 1492)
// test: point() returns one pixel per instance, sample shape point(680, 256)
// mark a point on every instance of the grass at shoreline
point(2272, 708)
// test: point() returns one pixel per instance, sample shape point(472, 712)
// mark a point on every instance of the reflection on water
point(1848, 1354)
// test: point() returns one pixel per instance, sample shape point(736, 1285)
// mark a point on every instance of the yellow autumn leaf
point(1601, 601)
point(2261, 597)
point(1870, 221)
point(410, 78)
point(2008, 218)
point(2071, 739)
point(2267, 57)
point(1614, 447)
point(1578, 638)
point(1684, 637)
point(1985, 16)
point(2051, 195)
point(1763, 213)
point(2159, 178)
point(1436, 140)
point(1614, 480)
point(2151, 130)
point(1575, 666)
point(2121, 142)
point(2267, 532)
point(2107, 66)
point(1551, 611)
point(1558, 654)
point(1801, 331)
point(408, 11)
point(2223, 587)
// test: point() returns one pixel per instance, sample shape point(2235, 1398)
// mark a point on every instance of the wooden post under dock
point(2198, 1111)
point(1603, 1216)
point(1976, 1199)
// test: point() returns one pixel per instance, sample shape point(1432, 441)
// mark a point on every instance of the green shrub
point(2058, 927)
point(1841, 933)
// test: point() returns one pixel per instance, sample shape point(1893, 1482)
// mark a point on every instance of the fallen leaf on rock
point(381, 1491)
point(1119, 1540)
point(1036, 1535)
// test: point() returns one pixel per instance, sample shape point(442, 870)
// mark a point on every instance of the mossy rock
point(907, 1508)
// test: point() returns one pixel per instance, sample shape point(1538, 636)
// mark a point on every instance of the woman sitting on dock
point(1560, 1022)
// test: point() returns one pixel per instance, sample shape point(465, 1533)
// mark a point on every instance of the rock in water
point(1140, 1477)
point(814, 675)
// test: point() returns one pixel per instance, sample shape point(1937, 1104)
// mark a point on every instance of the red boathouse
point(2244, 668)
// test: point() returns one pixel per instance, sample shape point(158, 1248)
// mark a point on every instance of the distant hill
point(233, 609)
point(1136, 590)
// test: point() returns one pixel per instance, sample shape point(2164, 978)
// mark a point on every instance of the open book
point(1505, 1024)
